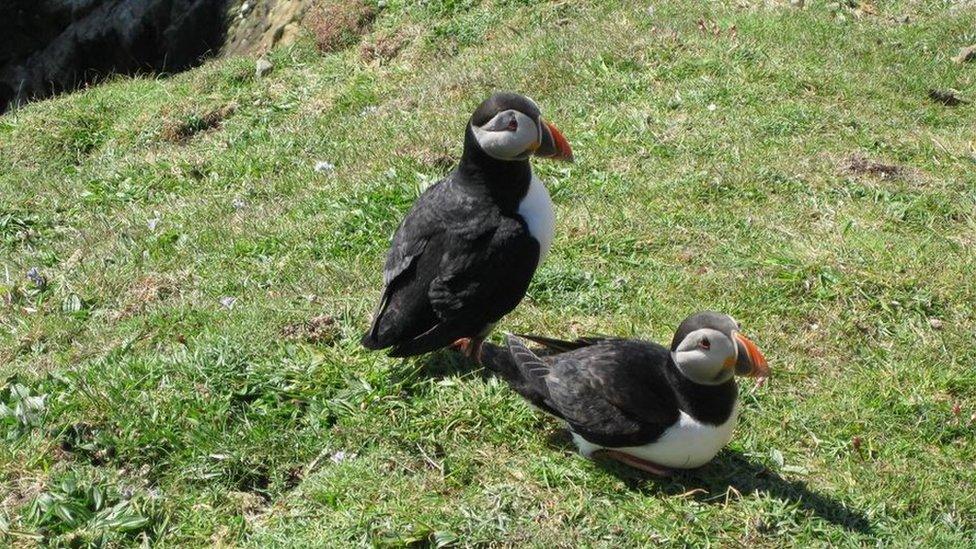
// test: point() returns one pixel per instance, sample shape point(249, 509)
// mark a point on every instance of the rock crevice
point(52, 46)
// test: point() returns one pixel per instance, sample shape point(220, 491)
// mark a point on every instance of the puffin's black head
point(709, 349)
point(509, 127)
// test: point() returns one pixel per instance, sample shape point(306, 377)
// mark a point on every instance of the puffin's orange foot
point(470, 347)
point(636, 462)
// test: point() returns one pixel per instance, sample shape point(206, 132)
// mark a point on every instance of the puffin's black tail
point(370, 342)
point(424, 343)
point(519, 367)
point(499, 360)
point(393, 324)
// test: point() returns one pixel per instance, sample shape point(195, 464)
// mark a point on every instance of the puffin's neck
point(504, 182)
point(707, 403)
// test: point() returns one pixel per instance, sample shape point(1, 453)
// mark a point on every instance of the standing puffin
point(638, 402)
point(464, 255)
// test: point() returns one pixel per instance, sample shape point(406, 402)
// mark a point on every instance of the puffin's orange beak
point(751, 362)
point(553, 144)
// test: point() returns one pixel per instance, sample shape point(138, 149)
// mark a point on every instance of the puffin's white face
point(708, 348)
point(509, 135)
point(706, 356)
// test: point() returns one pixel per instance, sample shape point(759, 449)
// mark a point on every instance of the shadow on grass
point(731, 473)
point(437, 365)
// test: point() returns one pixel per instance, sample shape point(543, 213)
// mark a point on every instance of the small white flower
point(152, 223)
point(324, 167)
point(712, 107)
point(228, 302)
point(340, 456)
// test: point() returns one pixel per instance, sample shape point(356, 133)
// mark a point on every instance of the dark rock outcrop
point(51, 46)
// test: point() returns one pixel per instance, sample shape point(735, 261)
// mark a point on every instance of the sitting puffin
point(635, 401)
point(464, 255)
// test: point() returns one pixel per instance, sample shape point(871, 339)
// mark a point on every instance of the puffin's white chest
point(685, 445)
point(536, 208)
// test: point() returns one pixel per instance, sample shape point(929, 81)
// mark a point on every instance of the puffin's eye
point(705, 344)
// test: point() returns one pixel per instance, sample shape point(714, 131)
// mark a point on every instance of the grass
point(183, 365)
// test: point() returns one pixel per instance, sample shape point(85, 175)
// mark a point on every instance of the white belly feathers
point(537, 210)
point(685, 445)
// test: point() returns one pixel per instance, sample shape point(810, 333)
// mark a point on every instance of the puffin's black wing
point(613, 393)
point(424, 222)
point(454, 268)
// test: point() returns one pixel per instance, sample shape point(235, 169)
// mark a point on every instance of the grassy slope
point(222, 429)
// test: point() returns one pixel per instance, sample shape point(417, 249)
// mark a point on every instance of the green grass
point(139, 407)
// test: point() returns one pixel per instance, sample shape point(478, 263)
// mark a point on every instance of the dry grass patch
point(319, 329)
point(384, 47)
point(859, 165)
point(336, 24)
point(146, 291)
point(179, 128)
